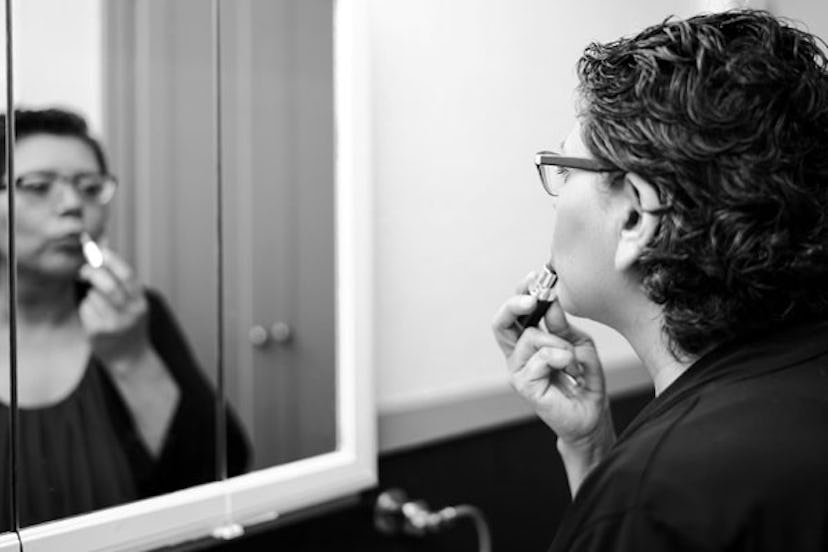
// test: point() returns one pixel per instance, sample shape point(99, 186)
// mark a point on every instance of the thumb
point(557, 323)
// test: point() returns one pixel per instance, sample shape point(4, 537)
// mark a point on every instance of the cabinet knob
point(258, 336)
point(281, 332)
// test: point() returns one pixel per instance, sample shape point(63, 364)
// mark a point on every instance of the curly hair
point(726, 115)
point(59, 122)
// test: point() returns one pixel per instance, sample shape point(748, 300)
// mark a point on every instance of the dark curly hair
point(60, 122)
point(726, 115)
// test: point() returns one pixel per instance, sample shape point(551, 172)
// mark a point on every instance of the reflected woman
point(113, 406)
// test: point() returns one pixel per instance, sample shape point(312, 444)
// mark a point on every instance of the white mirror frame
point(223, 508)
point(9, 543)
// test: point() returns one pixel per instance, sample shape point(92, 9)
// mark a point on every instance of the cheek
point(582, 259)
point(94, 220)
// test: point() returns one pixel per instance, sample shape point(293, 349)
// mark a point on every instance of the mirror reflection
point(119, 234)
point(113, 403)
point(278, 157)
point(7, 522)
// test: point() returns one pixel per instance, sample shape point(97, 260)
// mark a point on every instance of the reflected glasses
point(92, 188)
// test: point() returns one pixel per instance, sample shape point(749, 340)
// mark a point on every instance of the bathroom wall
point(464, 93)
point(79, 54)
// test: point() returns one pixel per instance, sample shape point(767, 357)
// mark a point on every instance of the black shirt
point(732, 456)
point(84, 452)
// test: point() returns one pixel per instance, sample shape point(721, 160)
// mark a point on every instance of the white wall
point(465, 91)
point(45, 75)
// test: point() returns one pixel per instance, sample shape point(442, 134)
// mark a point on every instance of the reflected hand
point(558, 372)
point(114, 311)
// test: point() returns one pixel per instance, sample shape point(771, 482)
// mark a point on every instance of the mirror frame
point(223, 508)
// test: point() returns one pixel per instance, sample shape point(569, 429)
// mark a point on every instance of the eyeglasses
point(553, 168)
point(93, 188)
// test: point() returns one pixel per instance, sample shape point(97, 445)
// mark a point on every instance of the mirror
point(117, 400)
point(7, 514)
point(218, 247)
point(277, 109)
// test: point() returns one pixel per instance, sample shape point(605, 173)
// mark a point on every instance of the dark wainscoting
point(512, 473)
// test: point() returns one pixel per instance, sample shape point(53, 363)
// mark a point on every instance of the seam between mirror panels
point(11, 275)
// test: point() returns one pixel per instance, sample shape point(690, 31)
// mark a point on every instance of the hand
point(114, 311)
point(575, 406)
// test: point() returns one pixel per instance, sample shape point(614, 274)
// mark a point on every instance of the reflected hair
point(52, 121)
point(726, 114)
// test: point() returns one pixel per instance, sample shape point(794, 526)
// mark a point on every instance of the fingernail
point(527, 301)
point(561, 356)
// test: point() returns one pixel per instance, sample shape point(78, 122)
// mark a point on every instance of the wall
point(76, 26)
point(464, 93)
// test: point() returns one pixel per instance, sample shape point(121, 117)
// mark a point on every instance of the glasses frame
point(72, 180)
point(555, 159)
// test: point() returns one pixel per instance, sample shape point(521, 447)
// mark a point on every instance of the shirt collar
point(741, 358)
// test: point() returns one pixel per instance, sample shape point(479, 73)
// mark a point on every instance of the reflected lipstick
point(91, 251)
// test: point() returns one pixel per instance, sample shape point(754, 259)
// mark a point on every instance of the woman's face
point(584, 239)
point(48, 227)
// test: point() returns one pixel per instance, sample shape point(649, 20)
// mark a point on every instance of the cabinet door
point(278, 152)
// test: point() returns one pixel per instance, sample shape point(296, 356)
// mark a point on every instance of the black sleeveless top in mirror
point(84, 452)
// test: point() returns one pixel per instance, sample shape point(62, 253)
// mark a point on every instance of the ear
point(638, 226)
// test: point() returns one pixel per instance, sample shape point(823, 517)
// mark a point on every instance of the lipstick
point(91, 251)
point(543, 289)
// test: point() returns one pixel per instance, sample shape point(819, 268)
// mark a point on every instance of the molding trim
point(424, 422)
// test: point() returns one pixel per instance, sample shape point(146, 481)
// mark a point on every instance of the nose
point(66, 197)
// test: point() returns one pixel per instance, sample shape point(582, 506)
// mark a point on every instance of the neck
point(644, 332)
point(41, 301)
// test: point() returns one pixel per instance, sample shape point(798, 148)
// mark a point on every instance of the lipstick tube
point(543, 288)
point(91, 251)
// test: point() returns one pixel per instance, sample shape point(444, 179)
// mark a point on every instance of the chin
point(566, 304)
point(581, 309)
point(64, 270)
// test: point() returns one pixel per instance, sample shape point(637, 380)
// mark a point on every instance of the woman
point(112, 405)
point(691, 217)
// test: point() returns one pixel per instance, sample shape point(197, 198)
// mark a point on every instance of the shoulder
point(162, 319)
point(739, 449)
point(155, 300)
point(747, 428)
point(720, 465)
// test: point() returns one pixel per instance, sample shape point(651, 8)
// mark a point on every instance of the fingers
point(105, 282)
point(503, 323)
point(93, 308)
point(557, 323)
point(531, 341)
point(117, 265)
point(553, 366)
point(523, 286)
point(114, 279)
point(98, 313)
point(576, 362)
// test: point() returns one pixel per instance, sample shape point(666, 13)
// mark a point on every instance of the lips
point(69, 242)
